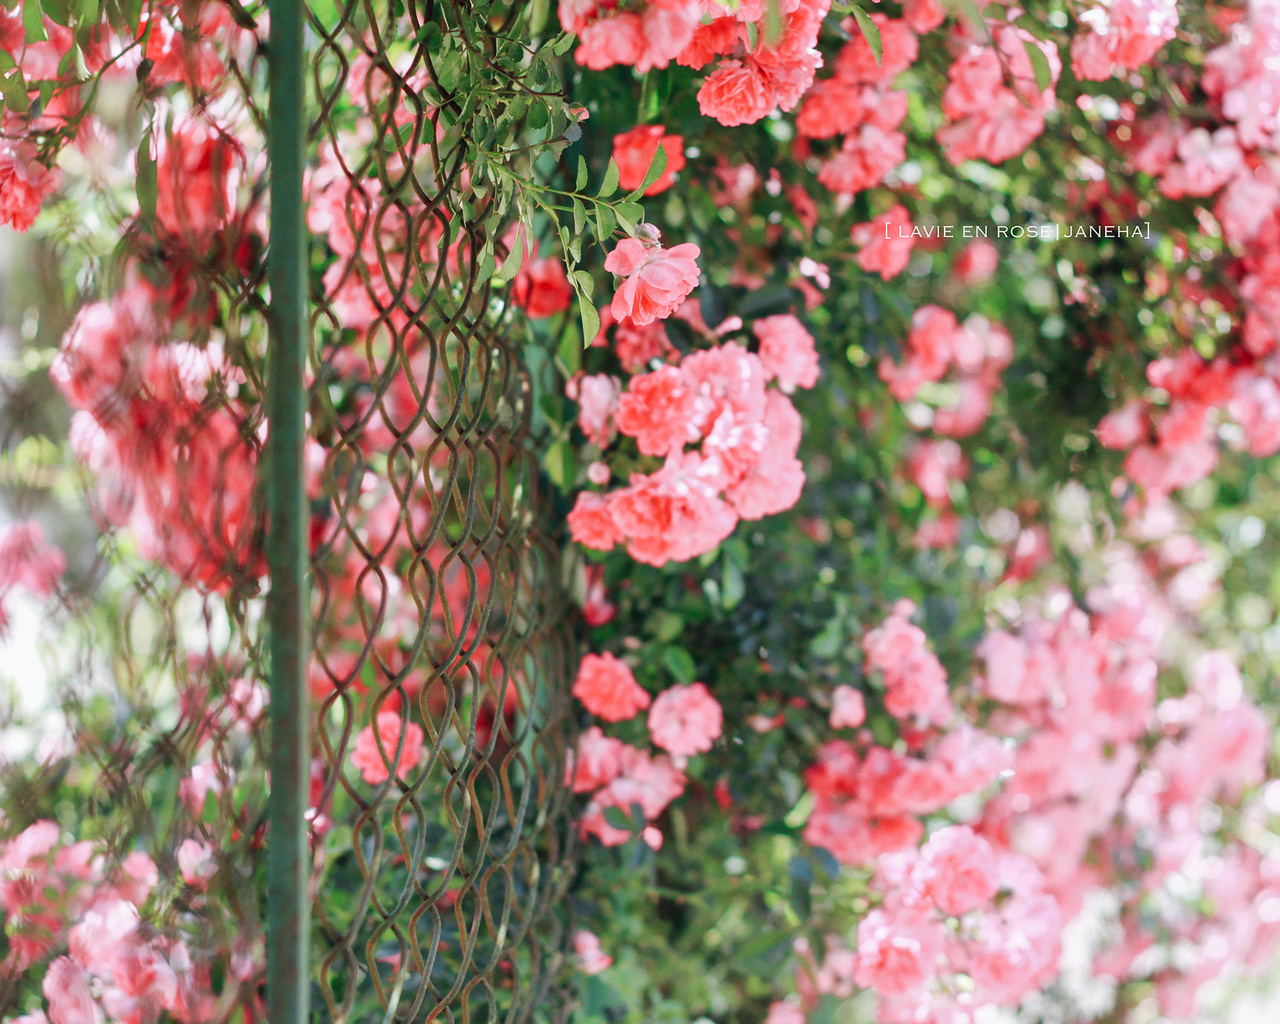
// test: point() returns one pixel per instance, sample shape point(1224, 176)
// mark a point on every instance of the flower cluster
point(683, 721)
point(973, 355)
point(168, 453)
point(718, 398)
point(869, 800)
point(1121, 34)
point(992, 114)
point(955, 907)
point(66, 902)
point(859, 103)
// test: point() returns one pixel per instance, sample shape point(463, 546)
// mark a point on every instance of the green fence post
point(288, 874)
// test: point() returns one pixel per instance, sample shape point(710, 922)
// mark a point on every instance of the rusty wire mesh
point(439, 821)
point(436, 589)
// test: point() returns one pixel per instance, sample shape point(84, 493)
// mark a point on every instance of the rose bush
point(916, 473)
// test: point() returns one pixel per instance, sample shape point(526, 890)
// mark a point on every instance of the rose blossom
point(735, 93)
point(884, 247)
point(847, 708)
point(196, 863)
point(674, 514)
point(963, 875)
point(685, 720)
point(607, 688)
point(373, 763)
point(787, 352)
point(597, 761)
point(634, 151)
point(784, 1013)
point(897, 953)
point(541, 288)
point(657, 411)
point(25, 183)
point(591, 522)
point(597, 398)
point(656, 281)
point(591, 958)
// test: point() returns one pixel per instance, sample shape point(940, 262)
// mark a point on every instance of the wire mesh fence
point(437, 822)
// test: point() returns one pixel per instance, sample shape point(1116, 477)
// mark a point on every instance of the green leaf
point(656, 167)
point(584, 282)
point(871, 31)
point(429, 37)
point(56, 10)
point(826, 860)
point(512, 264)
point(209, 810)
point(800, 868)
point(14, 88)
point(800, 901)
point(618, 818)
point(582, 174)
point(147, 185)
point(579, 218)
point(733, 586)
point(558, 461)
point(562, 45)
point(774, 23)
point(590, 321)
point(826, 643)
point(630, 216)
point(484, 271)
point(1033, 25)
point(1039, 64)
point(605, 223)
point(33, 22)
point(679, 663)
point(827, 1011)
point(610, 185)
point(570, 353)
point(571, 244)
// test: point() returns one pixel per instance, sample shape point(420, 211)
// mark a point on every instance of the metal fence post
point(288, 875)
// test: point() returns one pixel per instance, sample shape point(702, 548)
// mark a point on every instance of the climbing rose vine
point(909, 378)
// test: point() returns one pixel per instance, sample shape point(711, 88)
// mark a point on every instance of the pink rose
point(591, 522)
point(541, 288)
point(675, 514)
point(66, 987)
point(196, 863)
point(656, 281)
point(963, 869)
point(597, 761)
point(685, 720)
point(597, 397)
point(607, 688)
point(899, 953)
point(374, 763)
point(634, 151)
point(735, 93)
point(886, 242)
point(658, 410)
point(787, 351)
point(25, 183)
point(591, 958)
point(847, 708)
